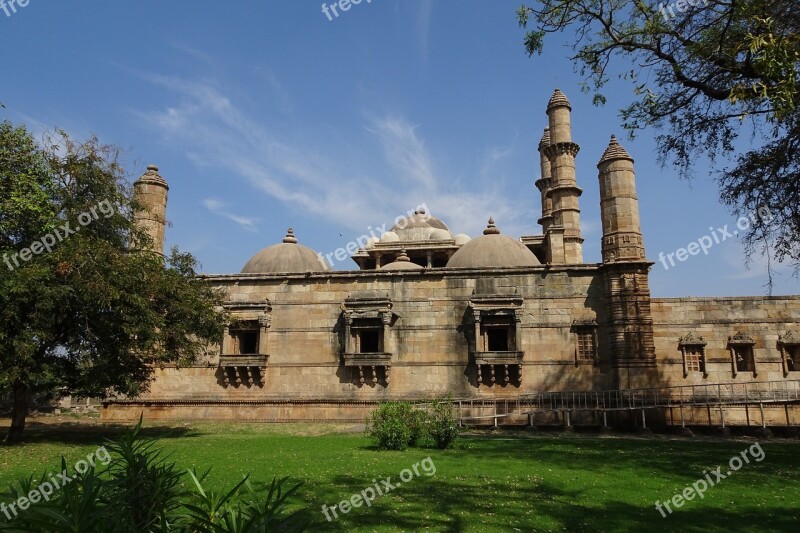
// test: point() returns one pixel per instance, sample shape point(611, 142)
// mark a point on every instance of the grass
point(498, 482)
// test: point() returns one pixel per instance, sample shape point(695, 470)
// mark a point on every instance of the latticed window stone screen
point(586, 350)
point(694, 360)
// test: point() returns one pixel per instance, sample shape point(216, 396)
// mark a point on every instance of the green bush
point(140, 490)
point(391, 426)
point(398, 425)
point(442, 424)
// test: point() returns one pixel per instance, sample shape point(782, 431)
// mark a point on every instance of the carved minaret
point(619, 206)
point(564, 238)
point(150, 192)
point(626, 269)
point(543, 184)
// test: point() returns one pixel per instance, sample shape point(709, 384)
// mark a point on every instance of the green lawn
point(491, 482)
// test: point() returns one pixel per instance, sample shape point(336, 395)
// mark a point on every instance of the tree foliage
point(93, 315)
point(712, 77)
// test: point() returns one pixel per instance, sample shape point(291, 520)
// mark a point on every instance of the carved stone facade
point(428, 313)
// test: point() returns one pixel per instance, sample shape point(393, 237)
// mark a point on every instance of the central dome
point(493, 250)
point(420, 226)
point(286, 257)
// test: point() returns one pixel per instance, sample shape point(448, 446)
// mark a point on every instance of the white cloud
point(325, 178)
point(220, 208)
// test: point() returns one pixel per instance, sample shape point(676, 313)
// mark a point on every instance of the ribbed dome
point(545, 138)
point(492, 250)
point(615, 151)
point(286, 257)
point(402, 263)
point(558, 99)
point(418, 227)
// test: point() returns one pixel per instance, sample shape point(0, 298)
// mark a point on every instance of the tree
point(80, 309)
point(706, 72)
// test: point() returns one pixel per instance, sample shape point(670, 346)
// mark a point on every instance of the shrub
point(442, 425)
point(391, 426)
point(398, 425)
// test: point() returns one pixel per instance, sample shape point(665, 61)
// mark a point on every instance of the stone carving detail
point(690, 339)
point(741, 339)
point(789, 346)
point(494, 333)
point(368, 311)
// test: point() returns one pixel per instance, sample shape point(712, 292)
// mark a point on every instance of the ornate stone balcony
point(240, 361)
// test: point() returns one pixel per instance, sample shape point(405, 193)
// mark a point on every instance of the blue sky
point(265, 114)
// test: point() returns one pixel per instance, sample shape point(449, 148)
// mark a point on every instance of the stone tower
point(564, 234)
point(543, 184)
point(150, 191)
point(619, 206)
point(626, 270)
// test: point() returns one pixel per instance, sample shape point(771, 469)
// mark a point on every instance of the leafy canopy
point(94, 315)
point(705, 73)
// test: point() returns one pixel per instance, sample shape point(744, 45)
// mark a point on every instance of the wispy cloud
point(220, 208)
point(423, 27)
point(324, 178)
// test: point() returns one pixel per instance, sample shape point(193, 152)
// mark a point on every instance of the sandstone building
point(429, 313)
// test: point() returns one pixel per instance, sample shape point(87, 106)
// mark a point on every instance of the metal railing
point(718, 395)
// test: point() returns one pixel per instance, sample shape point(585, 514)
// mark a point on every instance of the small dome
point(371, 243)
point(462, 239)
point(492, 250)
point(440, 235)
point(402, 263)
point(286, 257)
point(389, 236)
point(418, 227)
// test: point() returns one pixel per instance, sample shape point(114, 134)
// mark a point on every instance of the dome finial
point(491, 229)
point(290, 238)
point(403, 257)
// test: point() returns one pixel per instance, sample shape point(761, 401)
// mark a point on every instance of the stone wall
point(305, 378)
point(717, 319)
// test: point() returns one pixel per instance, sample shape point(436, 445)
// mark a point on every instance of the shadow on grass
point(79, 433)
point(438, 505)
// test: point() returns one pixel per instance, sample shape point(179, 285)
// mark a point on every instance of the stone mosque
point(428, 313)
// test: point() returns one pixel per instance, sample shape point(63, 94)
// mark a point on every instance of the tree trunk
point(19, 411)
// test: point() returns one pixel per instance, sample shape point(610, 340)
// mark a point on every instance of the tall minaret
point(543, 184)
point(564, 191)
point(619, 206)
point(626, 272)
point(150, 192)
